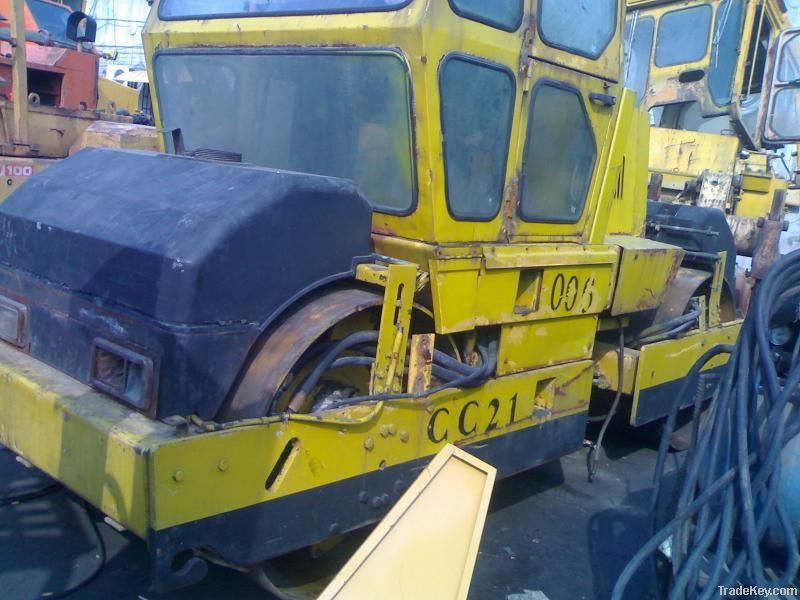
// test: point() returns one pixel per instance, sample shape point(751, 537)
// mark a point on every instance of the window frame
point(282, 13)
point(626, 64)
point(714, 31)
point(332, 51)
point(770, 137)
point(711, 23)
point(466, 14)
point(482, 62)
point(569, 49)
point(543, 82)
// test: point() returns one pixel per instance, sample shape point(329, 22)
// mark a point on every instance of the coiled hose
point(727, 497)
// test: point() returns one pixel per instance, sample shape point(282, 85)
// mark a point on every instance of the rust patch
point(510, 202)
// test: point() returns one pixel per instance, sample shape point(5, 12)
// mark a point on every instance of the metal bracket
point(398, 302)
point(714, 298)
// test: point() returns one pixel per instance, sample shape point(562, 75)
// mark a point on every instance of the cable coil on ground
point(727, 496)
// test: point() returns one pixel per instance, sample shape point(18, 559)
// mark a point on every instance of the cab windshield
point(185, 9)
point(49, 17)
point(337, 113)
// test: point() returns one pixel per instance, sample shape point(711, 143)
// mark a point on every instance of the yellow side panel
point(646, 270)
point(663, 362)
point(16, 171)
point(757, 194)
point(188, 473)
point(690, 152)
point(467, 299)
point(95, 447)
point(628, 204)
point(116, 96)
point(544, 343)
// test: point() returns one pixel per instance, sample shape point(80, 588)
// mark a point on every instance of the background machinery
point(56, 70)
point(701, 69)
point(438, 238)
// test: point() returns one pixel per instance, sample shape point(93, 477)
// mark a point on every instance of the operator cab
point(703, 66)
point(459, 121)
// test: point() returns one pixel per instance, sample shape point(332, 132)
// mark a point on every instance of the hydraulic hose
point(727, 496)
point(477, 378)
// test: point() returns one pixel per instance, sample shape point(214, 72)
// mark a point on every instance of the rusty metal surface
point(683, 288)
point(768, 249)
point(286, 344)
point(745, 234)
point(716, 190)
point(420, 363)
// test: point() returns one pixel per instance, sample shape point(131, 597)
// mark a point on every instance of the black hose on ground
point(727, 497)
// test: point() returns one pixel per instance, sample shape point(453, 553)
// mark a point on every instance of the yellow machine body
point(700, 133)
point(552, 295)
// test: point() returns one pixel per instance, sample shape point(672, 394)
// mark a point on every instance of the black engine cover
point(185, 259)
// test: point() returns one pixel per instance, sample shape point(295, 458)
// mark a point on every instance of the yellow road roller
point(377, 227)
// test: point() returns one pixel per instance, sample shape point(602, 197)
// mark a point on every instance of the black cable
point(728, 491)
point(593, 456)
point(440, 373)
point(46, 491)
point(30, 496)
point(479, 377)
point(447, 369)
point(101, 563)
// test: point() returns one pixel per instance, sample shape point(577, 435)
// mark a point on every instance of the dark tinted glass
point(477, 109)
point(269, 108)
point(639, 34)
point(683, 35)
point(505, 14)
point(581, 26)
point(182, 9)
point(725, 50)
point(560, 157)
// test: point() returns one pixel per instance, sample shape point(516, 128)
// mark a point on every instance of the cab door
point(780, 122)
point(572, 93)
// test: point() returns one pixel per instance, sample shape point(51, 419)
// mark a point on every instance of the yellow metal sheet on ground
point(427, 545)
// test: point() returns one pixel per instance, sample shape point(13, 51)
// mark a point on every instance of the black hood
point(182, 240)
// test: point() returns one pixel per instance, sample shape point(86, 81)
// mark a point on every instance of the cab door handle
point(603, 99)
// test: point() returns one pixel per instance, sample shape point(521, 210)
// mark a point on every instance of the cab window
point(267, 109)
point(477, 111)
point(784, 117)
point(560, 156)
point(755, 68)
point(725, 51)
point(186, 9)
point(789, 67)
point(584, 27)
point(639, 33)
point(503, 14)
point(683, 36)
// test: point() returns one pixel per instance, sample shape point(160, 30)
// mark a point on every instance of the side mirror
point(781, 116)
point(81, 27)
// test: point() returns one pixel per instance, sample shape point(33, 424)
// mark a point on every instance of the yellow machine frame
point(680, 157)
point(541, 291)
